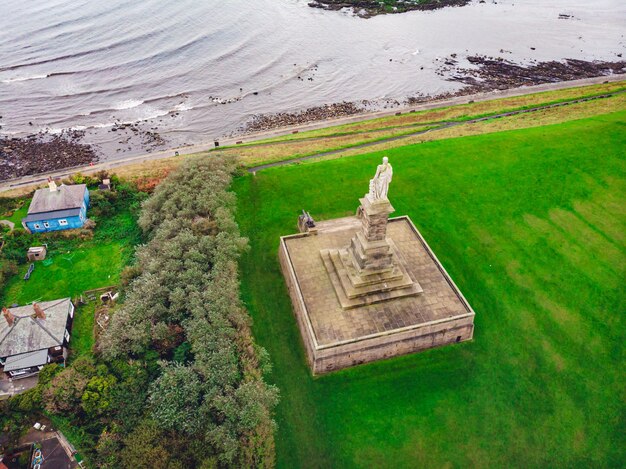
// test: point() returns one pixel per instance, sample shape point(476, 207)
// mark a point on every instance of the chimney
point(8, 316)
point(39, 313)
point(52, 185)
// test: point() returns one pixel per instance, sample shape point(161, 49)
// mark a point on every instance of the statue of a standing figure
point(379, 186)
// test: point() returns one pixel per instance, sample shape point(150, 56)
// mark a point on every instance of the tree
point(175, 397)
point(145, 449)
point(96, 399)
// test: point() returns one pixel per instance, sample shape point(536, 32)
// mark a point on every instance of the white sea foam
point(183, 107)
point(128, 104)
point(18, 79)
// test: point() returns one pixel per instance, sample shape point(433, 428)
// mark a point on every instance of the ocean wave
point(128, 104)
point(169, 96)
point(36, 77)
point(183, 107)
point(18, 79)
point(150, 115)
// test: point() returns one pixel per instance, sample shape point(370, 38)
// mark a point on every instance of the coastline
point(34, 179)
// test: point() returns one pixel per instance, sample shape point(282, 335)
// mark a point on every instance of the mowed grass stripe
point(530, 226)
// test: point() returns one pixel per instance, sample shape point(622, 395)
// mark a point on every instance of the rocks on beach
point(149, 140)
point(261, 122)
point(490, 74)
point(43, 152)
point(496, 73)
point(369, 8)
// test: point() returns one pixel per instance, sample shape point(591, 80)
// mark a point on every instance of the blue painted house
point(57, 208)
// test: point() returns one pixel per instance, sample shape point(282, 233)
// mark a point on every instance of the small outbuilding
point(36, 253)
point(34, 335)
point(105, 186)
point(57, 208)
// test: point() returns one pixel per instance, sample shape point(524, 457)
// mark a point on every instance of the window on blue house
point(37, 226)
point(62, 222)
point(46, 224)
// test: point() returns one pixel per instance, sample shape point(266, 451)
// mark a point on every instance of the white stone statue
point(379, 186)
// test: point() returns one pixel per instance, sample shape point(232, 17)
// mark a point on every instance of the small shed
point(106, 185)
point(36, 253)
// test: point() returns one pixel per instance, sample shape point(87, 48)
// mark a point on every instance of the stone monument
point(371, 269)
point(369, 287)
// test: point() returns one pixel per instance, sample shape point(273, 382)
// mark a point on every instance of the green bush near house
point(531, 226)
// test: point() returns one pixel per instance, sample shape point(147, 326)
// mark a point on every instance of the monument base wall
point(392, 345)
point(320, 319)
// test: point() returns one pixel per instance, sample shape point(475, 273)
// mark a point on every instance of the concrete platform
point(337, 337)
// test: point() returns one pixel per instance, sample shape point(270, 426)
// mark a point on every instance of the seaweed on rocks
point(496, 73)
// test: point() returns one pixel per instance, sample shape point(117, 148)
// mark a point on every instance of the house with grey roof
point(34, 335)
point(57, 208)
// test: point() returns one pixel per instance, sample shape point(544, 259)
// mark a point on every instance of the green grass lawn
point(82, 340)
point(89, 265)
point(531, 225)
point(19, 214)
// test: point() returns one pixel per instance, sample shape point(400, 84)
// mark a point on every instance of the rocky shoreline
point(496, 73)
point(263, 122)
point(42, 152)
point(369, 8)
point(45, 152)
point(490, 74)
point(132, 133)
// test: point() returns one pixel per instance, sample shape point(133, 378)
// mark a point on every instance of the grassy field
point(531, 225)
point(86, 266)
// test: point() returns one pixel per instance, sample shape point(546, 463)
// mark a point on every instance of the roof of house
point(26, 360)
point(29, 334)
point(64, 198)
point(73, 212)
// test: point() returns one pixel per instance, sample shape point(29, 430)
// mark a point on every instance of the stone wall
point(399, 342)
point(391, 345)
point(297, 302)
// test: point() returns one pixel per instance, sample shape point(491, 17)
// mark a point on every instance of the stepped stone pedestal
point(371, 269)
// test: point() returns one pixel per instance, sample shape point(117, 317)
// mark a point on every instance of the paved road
point(187, 150)
point(10, 388)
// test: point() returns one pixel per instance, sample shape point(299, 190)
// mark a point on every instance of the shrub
point(8, 269)
point(65, 392)
point(175, 399)
point(96, 399)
